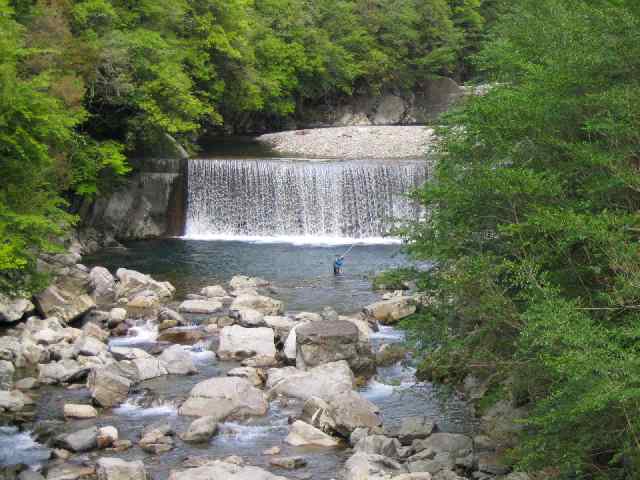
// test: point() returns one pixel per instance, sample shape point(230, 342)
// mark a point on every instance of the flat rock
point(237, 342)
point(80, 441)
point(178, 361)
point(391, 311)
point(301, 433)
point(321, 381)
point(200, 306)
point(108, 389)
point(265, 305)
point(13, 309)
point(117, 469)
point(201, 430)
point(79, 411)
point(224, 470)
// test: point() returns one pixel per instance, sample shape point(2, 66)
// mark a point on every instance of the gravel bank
point(353, 142)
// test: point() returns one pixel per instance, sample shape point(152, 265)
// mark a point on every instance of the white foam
point(313, 240)
point(20, 447)
point(131, 409)
point(139, 334)
point(388, 333)
point(232, 431)
point(375, 390)
point(200, 353)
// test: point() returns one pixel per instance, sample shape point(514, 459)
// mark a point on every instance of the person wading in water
point(337, 265)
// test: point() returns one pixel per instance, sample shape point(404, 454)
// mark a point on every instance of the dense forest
point(534, 230)
point(86, 83)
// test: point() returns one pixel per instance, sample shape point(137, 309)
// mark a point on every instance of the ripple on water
point(20, 448)
point(132, 408)
point(141, 334)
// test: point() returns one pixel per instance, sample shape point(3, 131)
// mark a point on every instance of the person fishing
point(339, 261)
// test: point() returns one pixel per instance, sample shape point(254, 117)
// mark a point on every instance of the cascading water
point(300, 200)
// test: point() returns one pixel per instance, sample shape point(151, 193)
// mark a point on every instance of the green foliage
point(395, 279)
point(534, 231)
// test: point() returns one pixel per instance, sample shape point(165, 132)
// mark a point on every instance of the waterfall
point(300, 201)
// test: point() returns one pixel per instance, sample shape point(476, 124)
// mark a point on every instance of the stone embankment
point(355, 142)
point(307, 359)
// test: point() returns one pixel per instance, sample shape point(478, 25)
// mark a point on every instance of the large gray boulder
point(330, 341)
point(240, 282)
point(178, 361)
point(303, 434)
point(265, 305)
point(201, 430)
point(221, 470)
point(441, 451)
point(342, 413)
point(118, 469)
point(200, 306)
point(367, 466)
point(13, 401)
point(149, 368)
point(64, 371)
point(321, 381)
point(13, 309)
point(214, 291)
point(89, 346)
point(107, 388)
point(237, 342)
point(248, 317)
point(103, 285)
point(133, 283)
point(66, 302)
point(80, 441)
point(223, 397)
point(391, 311)
point(414, 428)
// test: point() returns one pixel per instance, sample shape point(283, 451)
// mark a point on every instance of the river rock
point(117, 316)
point(391, 311)
point(108, 389)
point(301, 434)
point(214, 291)
point(330, 341)
point(265, 305)
point(13, 309)
point(64, 302)
point(72, 410)
point(181, 336)
point(103, 285)
point(380, 445)
point(307, 317)
point(414, 428)
point(201, 430)
point(168, 314)
point(281, 326)
point(64, 371)
point(156, 440)
point(200, 306)
point(441, 451)
point(89, 346)
point(238, 282)
point(118, 469)
point(10, 349)
point(133, 282)
point(238, 342)
point(366, 466)
point(329, 314)
point(255, 376)
point(323, 380)
point(128, 353)
point(107, 436)
point(224, 470)
point(70, 471)
point(80, 441)
point(223, 397)
point(92, 330)
point(13, 400)
point(178, 361)
point(7, 371)
point(149, 368)
point(288, 463)
point(342, 413)
point(248, 317)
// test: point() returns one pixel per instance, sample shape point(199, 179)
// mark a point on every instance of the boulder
point(117, 316)
point(342, 413)
point(414, 428)
point(214, 291)
point(7, 371)
point(10, 349)
point(200, 306)
point(118, 469)
point(168, 314)
point(391, 311)
point(13, 400)
point(80, 441)
point(72, 410)
point(223, 397)
point(108, 389)
point(89, 346)
point(181, 336)
point(321, 381)
point(366, 466)
point(391, 110)
point(64, 371)
point(303, 434)
point(307, 317)
point(238, 342)
point(103, 285)
point(248, 317)
point(201, 430)
point(288, 463)
point(128, 353)
point(265, 305)
point(329, 314)
point(146, 300)
point(281, 326)
point(224, 470)
point(330, 341)
point(441, 451)
point(156, 440)
point(65, 303)
point(240, 282)
point(92, 330)
point(380, 445)
point(178, 361)
point(291, 345)
point(13, 309)
point(132, 283)
point(149, 368)
point(255, 376)
point(70, 471)
point(107, 436)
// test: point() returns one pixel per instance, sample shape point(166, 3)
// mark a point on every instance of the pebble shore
point(358, 142)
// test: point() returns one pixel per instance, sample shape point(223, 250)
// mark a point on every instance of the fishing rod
point(349, 250)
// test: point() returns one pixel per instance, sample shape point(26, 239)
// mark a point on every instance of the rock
point(168, 314)
point(259, 361)
point(167, 324)
point(132, 283)
point(178, 361)
point(492, 464)
point(13, 309)
point(103, 285)
point(413, 476)
point(223, 397)
point(214, 291)
point(224, 470)
point(64, 371)
point(107, 436)
point(380, 445)
point(201, 430)
point(265, 305)
point(67, 304)
point(327, 379)
point(301, 434)
point(181, 336)
point(237, 342)
point(118, 469)
point(331, 341)
point(117, 316)
point(307, 317)
point(291, 345)
point(247, 317)
point(107, 388)
point(240, 282)
point(30, 475)
point(391, 311)
point(272, 451)
point(199, 306)
point(281, 326)
point(92, 330)
point(329, 314)
point(441, 451)
point(28, 383)
point(414, 428)
point(6, 374)
point(146, 300)
point(156, 441)
point(366, 466)
point(288, 463)
point(128, 353)
point(70, 471)
point(80, 441)
point(391, 111)
point(79, 411)
point(343, 412)
point(11, 349)
point(13, 401)
point(89, 346)
point(254, 375)
point(149, 368)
